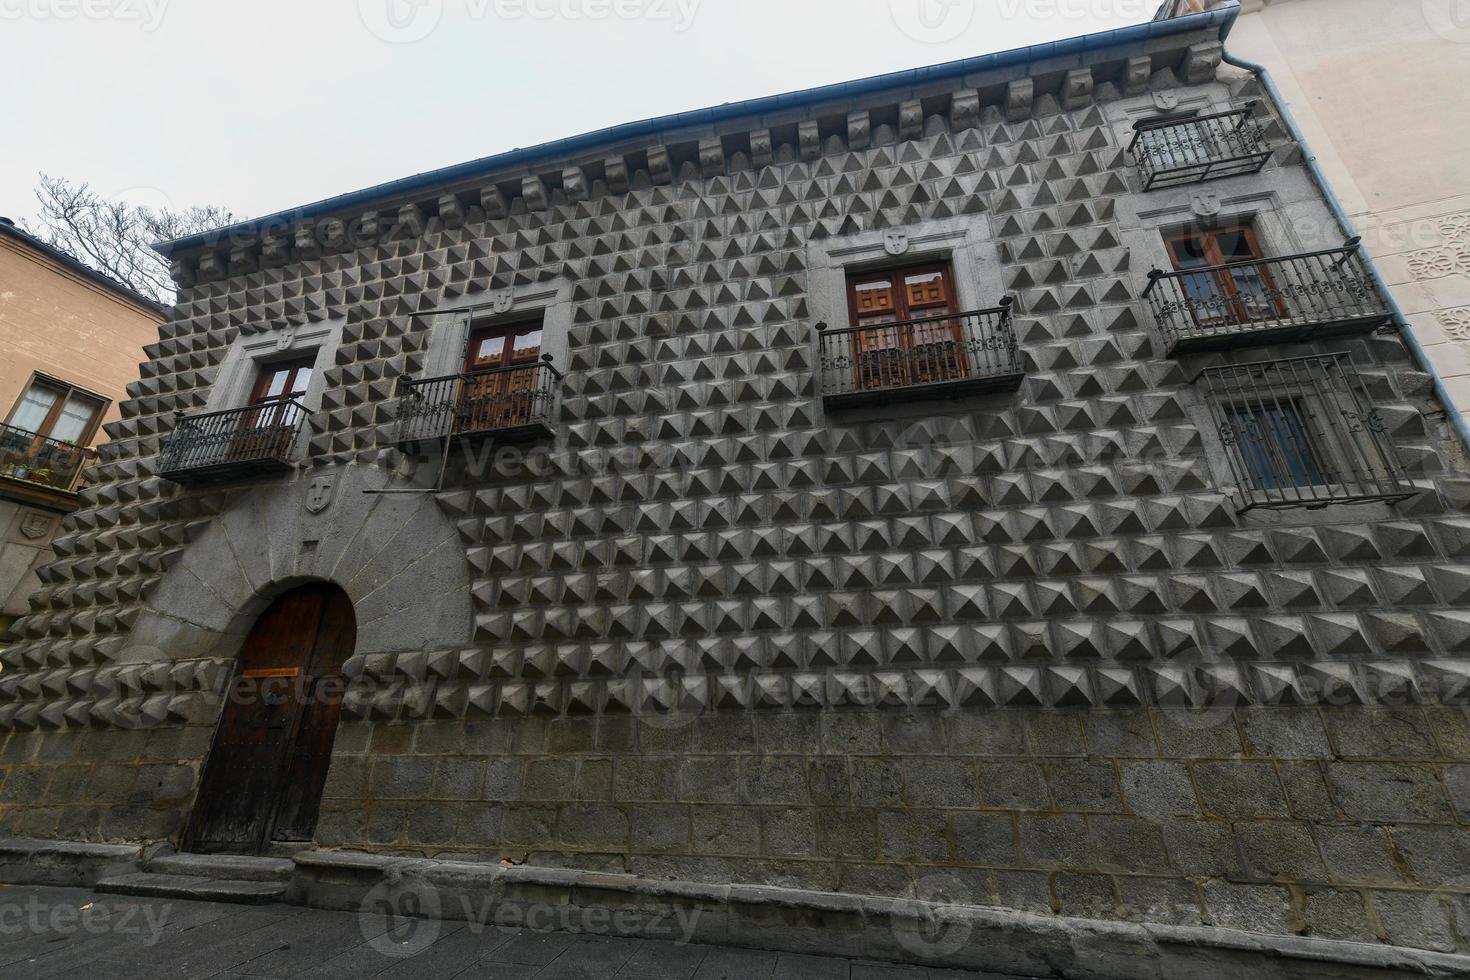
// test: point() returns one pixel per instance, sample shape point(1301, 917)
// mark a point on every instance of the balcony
point(513, 403)
point(1264, 301)
point(1189, 150)
point(1303, 432)
point(912, 360)
point(234, 444)
point(38, 467)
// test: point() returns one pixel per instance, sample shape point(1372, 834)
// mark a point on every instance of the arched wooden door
point(264, 776)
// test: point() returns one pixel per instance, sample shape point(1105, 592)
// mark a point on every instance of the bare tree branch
point(113, 237)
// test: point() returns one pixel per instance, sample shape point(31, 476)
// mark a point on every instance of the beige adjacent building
point(70, 341)
point(1379, 89)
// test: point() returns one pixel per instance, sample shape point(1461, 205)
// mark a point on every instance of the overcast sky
point(261, 105)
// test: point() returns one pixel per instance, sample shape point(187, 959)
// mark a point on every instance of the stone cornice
point(804, 133)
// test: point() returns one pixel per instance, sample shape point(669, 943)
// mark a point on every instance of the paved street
point(70, 932)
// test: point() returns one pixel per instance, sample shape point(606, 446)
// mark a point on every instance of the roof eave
point(1221, 18)
point(72, 264)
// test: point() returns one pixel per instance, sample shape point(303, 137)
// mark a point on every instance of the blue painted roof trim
point(1222, 19)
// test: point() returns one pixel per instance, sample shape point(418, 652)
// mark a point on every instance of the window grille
point(1302, 431)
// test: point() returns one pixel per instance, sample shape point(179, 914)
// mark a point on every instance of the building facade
point(72, 340)
point(1337, 62)
point(999, 483)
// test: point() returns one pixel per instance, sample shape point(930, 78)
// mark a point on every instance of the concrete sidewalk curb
point(780, 919)
point(791, 920)
point(26, 861)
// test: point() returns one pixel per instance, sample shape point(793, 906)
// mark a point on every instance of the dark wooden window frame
point(1224, 282)
point(499, 394)
point(287, 411)
point(510, 330)
point(873, 340)
point(67, 389)
point(901, 311)
point(265, 370)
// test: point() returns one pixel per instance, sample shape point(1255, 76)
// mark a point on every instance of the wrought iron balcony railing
point(1262, 301)
point(513, 403)
point(1191, 149)
point(932, 357)
point(41, 461)
point(1302, 431)
point(237, 442)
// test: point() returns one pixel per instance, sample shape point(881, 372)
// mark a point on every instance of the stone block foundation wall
point(1343, 823)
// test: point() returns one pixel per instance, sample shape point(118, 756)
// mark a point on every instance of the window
point(1275, 444)
point(906, 332)
point(1189, 148)
point(502, 346)
point(1241, 293)
point(282, 381)
point(504, 386)
point(55, 410)
point(1166, 142)
point(906, 339)
point(275, 408)
point(1302, 431)
point(256, 410)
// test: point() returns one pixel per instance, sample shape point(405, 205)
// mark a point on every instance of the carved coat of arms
point(35, 525)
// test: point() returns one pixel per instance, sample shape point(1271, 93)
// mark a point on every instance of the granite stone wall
point(1023, 648)
point(1334, 822)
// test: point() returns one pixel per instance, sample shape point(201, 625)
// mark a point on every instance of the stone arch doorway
point(263, 779)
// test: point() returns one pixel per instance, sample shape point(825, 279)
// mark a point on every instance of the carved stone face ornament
point(320, 493)
point(1205, 204)
point(895, 242)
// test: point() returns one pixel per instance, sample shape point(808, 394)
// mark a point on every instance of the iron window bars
point(511, 402)
point(928, 357)
point(233, 443)
point(1270, 300)
point(1191, 149)
point(41, 460)
point(1302, 431)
